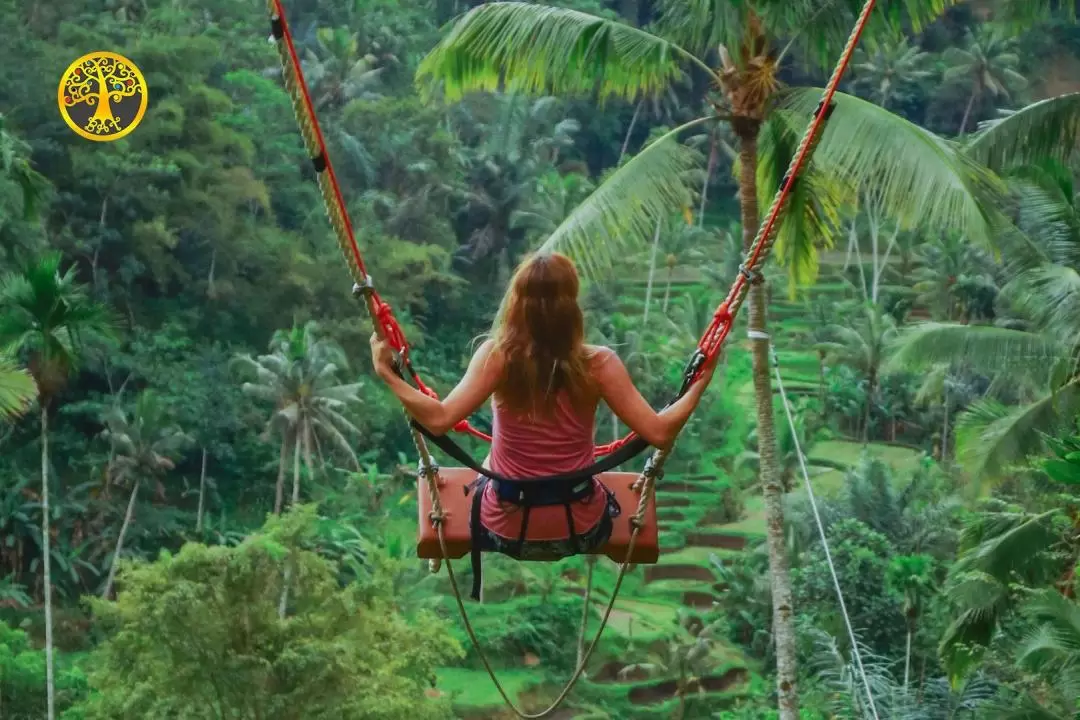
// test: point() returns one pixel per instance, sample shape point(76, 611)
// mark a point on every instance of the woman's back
point(553, 443)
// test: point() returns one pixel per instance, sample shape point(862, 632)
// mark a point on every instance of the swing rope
point(382, 317)
point(821, 531)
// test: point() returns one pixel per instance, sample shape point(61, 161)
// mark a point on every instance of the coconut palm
point(987, 67)
point(891, 70)
point(863, 345)
point(44, 315)
point(526, 47)
point(146, 445)
point(1030, 352)
point(953, 278)
point(300, 379)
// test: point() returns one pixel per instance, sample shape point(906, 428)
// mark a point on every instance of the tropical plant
point(45, 315)
point(891, 70)
point(299, 378)
point(986, 67)
point(17, 390)
point(146, 445)
point(1029, 352)
point(863, 345)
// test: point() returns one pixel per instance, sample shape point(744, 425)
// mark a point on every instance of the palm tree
point(299, 378)
point(863, 345)
point(891, 69)
point(1030, 351)
point(986, 67)
point(910, 577)
point(45, 314)
point(526, 47)
point(950, 269)
point(146, 445)
point(17, 390)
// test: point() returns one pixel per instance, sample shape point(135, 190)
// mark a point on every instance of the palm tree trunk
point(590, 565)
point(279, 491)
point(871, 383)
point(907, 661)
point(652, 274)
point(945, 430)
point(667, 287)
point(46, 548)
point(821, 380)
point(967, 111)
point(630, 130)
point(202, 493)
point(772, 490)
point(296, 465)
point(120, 539)
point(307, 454)
point(301, 427)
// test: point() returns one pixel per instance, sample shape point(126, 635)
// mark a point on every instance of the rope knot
point(461, 426)
point(723, 314)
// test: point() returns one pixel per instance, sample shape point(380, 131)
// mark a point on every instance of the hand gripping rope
point(386, 324)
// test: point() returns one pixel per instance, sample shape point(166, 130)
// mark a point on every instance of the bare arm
point(656, 428)
point(439, 416)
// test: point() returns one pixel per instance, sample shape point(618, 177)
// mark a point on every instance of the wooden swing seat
point(455, 503)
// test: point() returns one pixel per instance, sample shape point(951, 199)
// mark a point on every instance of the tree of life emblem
point(102, 96)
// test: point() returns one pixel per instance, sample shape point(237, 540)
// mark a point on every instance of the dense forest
point(209, 500)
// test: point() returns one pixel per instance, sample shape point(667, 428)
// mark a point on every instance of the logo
point(102, 96)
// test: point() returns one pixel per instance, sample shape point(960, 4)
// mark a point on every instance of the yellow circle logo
point(102, 96)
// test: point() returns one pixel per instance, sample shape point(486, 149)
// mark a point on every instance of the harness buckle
point(360, 288)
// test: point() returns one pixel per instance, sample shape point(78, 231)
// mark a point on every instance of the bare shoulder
point(600, 356)
point(486, 356)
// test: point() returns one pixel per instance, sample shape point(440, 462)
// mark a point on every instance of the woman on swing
point(545, 384)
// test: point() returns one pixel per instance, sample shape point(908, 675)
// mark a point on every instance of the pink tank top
point(523, 447)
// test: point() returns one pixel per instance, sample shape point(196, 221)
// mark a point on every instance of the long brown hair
point(539, 335)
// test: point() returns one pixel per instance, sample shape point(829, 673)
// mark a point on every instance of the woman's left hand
point(382, 355)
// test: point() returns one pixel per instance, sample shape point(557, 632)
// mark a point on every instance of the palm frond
point(985, 349)
point(17, 390)
point(1052, 649)
point(623, 211)
point(910, 174)
point(813, 211)
point(992, 437)
point(1048, 296)
point(531, 48)
point(1048, 128)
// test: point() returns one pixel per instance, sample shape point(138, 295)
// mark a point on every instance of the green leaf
point(623, 211)
point(1048, 128)
point(1062, 471)
point(17, 390)
point(907, 172)
point(525, 47)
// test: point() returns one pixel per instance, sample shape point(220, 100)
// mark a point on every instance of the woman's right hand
point(709, 368)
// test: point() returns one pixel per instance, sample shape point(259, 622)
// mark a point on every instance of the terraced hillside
point(697, 527)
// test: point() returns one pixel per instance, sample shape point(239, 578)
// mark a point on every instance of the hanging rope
point(821, 531)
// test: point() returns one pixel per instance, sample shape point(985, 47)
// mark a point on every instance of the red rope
point(712, 339)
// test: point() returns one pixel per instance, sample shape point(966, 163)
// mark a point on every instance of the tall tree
point(534, 48)
point(987, 67)
point(44, 315)
point(146, 444)
point(300, 379)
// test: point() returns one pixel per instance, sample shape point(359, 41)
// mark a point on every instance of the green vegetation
point(208, 501)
